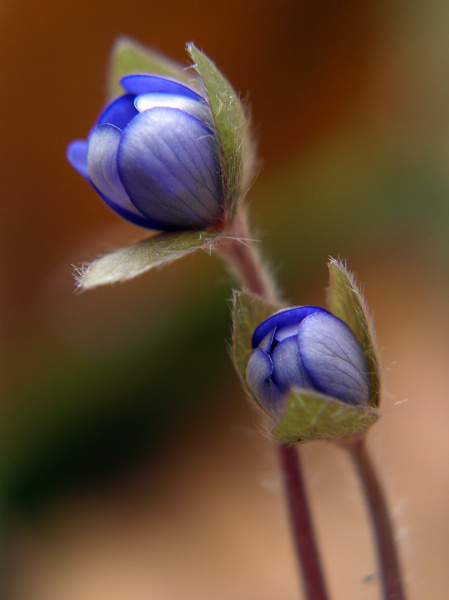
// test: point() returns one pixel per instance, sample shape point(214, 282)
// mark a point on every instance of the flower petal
point(145, 84)
point(288, 318)
point(120, 112)
point(288, 370)
point(333, 358)
point(77, 156)
point(102, 164)
point(168, 166)
point(267, 343)
point(258, 378)
point(196, 109)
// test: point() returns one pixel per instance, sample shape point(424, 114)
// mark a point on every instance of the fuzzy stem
point(246, 265)
point(244, 261)
point(387, 554)
point(302, 527)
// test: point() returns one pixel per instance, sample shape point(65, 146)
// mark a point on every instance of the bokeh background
point(131, 465)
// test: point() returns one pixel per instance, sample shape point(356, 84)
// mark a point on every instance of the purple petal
point(288, 369)
point(199, 110)
point(133, 217)
point(258, 378)
point(267, 343)
point(77, 156)
point(120, 112)
point(333, 358)
point(168, 166)
point(102, 163)
point(288, 318)
point(145, 84)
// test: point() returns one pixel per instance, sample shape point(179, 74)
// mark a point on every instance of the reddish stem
point(387, 554)
point(302, 527)
point(245, 262)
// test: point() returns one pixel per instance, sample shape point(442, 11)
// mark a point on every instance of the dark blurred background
point(130, 464)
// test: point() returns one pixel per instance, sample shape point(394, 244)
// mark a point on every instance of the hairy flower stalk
point(382, 526)
point(307, 348)
point(244, 261)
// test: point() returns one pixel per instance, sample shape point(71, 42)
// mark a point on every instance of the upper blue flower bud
point(306, 347)
point(153, 156)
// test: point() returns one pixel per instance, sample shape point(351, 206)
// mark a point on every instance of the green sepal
point(134, 260)
point(310, 415)
point(230, 122)
point(129, 56)
point(248, 311)
point(346, 302)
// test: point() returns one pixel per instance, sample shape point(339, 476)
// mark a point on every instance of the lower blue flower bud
point(153, 156)
point(306, 347)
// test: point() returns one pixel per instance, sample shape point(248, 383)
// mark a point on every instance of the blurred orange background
point(131, 465)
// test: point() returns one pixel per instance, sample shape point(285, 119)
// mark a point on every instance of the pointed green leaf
point(230, 123)
point(312, 416)
point(134, 260)
point(129, 56)
point(346, 302)
point(248, 311)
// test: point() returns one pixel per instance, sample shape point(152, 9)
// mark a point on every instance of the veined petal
point(288, 369)
point(258, 378)
point(102, 164)
point(145, 84)
point(133, 217)
point(77, 156)
point(333, 358)
point(168, 166)
point(196, 109)
point(120, 112)
point(288, 318)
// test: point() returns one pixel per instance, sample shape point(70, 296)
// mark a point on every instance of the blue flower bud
point(153, 156)
point(306, 347)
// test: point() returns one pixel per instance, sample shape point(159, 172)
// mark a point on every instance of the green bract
point(312, 416)
point(346, 302)
point(134, 260)
point(231, 125)
point(129, 56)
